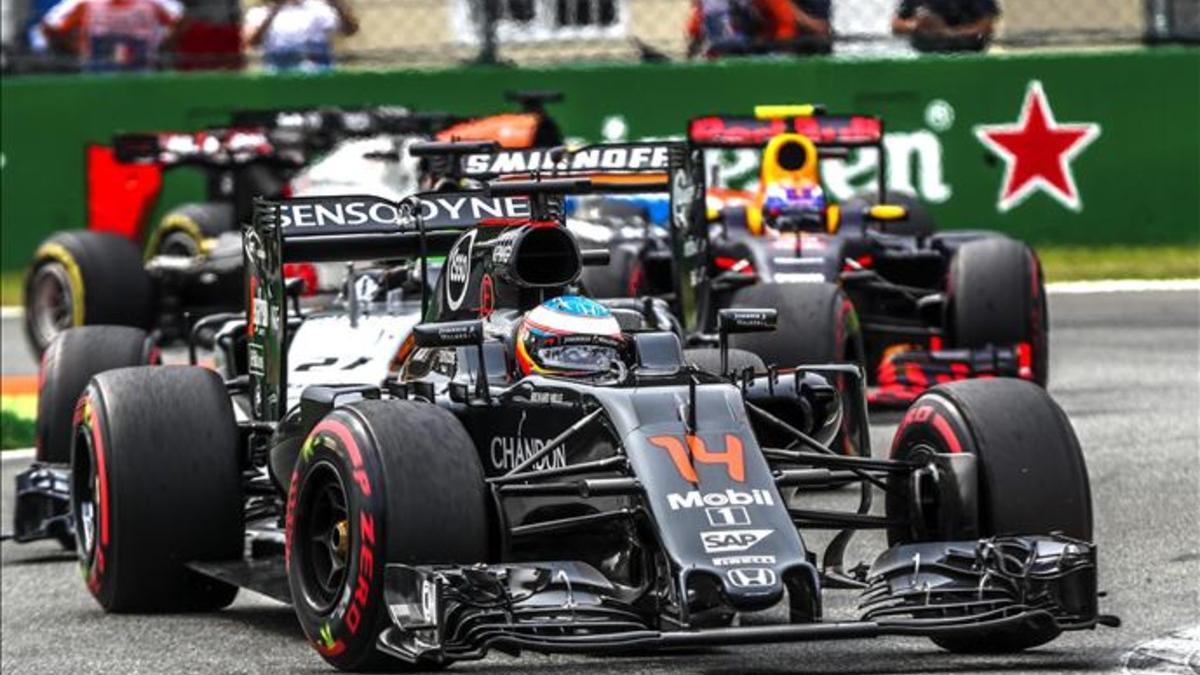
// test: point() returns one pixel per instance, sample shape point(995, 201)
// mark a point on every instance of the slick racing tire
point(156, 482)
point(85, 278)
point(1032, 477)
point(377, 482)
point(72, 359)
point(817, 324)
point(189, 229)
point(996, 297)
point(709, 360)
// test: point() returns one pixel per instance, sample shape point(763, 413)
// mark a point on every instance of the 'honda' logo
point(751, 577)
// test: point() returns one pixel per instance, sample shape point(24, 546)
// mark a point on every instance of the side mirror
point(732, 321)
point(457, 334)
point(449, 334)
point(887, 212)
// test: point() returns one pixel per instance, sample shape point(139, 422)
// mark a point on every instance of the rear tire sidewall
point(107, 281)
point(155, 512)
point(71, 360)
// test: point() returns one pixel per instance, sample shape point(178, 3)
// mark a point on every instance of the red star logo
point(1037, 152)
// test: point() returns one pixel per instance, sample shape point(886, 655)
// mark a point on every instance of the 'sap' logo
point(751, 577)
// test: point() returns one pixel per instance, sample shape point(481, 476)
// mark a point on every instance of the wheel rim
point(322, 538)
point(52, 303)
point(84, 488)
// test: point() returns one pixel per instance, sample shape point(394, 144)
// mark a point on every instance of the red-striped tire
point(156, 482)
point(1032, 476)
point(377, 482)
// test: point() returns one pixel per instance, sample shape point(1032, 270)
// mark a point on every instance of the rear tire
point(72, 359)
point(1032, 476)
point(82, 278)
point(997, 298)
point(156, 482)
point(377, 482)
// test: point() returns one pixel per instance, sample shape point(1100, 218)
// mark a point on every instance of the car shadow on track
point(278, 620)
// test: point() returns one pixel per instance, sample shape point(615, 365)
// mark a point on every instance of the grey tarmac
point(1125, 366)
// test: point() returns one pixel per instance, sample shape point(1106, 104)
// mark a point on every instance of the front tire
point(155, 483)
point(377, 482)
point(1032, 477)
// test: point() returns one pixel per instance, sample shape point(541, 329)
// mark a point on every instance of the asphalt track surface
point(1125, 366)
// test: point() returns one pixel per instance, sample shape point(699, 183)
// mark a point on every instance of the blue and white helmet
point(568, 335)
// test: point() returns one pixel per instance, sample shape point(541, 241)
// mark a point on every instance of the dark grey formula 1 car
point(544, 473)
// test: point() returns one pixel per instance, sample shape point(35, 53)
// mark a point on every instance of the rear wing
point(674, 168)
point(212, 147)
point(330, 124)
point(344, 228)
point(642, 167)
point(742, 131)
point(833, 135)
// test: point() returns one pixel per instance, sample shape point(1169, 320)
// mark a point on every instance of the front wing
point(449, 613)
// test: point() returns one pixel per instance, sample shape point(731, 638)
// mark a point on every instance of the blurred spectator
point(298, 34)
point(719, 27)
point(947, 25)
point(113, 34)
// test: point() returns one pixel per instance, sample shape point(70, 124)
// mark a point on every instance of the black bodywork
point(646, 507)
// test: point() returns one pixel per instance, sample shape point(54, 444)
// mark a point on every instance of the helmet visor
point(590, 358)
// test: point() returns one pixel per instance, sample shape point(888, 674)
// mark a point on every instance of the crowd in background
point(282, 35)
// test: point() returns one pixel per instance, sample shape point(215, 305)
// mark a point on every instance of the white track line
point(1178, 652)
point(1122, 286)
point(11, 312)
point(24, 455)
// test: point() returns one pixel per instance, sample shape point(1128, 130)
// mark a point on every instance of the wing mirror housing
point(457, 334)
point(449, 334)
point(742, 320)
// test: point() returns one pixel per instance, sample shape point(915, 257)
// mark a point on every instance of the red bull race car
point(868, 281)
point(932, 305)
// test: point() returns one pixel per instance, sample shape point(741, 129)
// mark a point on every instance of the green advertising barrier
point(1071, 148)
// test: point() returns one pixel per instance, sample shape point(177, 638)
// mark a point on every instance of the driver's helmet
point(788, 196)
point(568, 335)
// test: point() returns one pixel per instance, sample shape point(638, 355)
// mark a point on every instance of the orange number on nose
point(731, 456)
